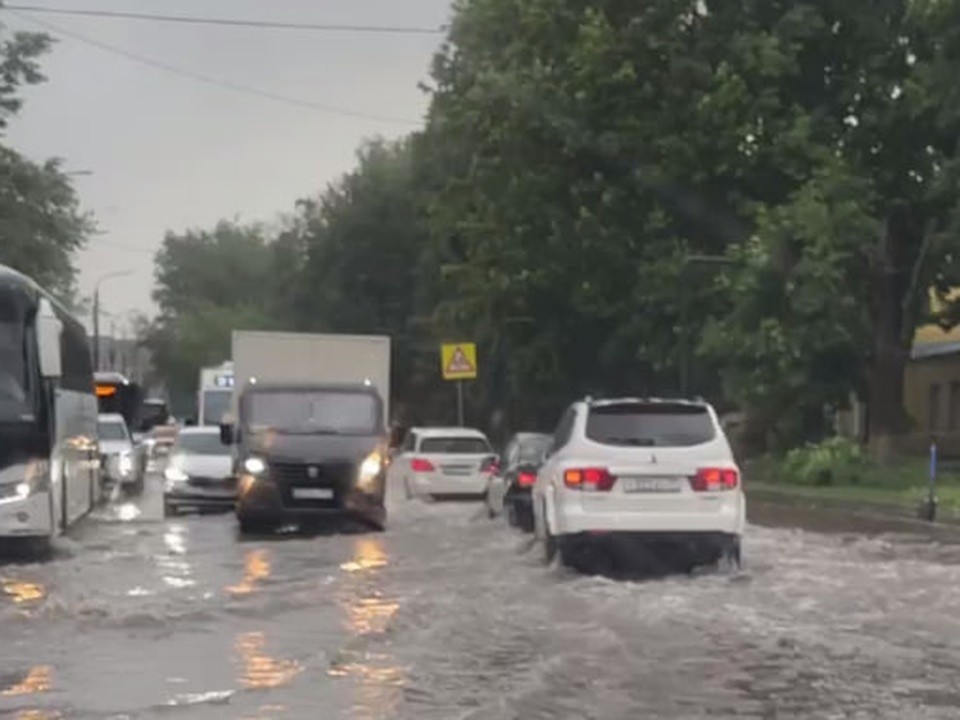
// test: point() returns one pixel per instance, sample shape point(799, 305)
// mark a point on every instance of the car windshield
point(455, 445)
point(201, 444)
point(650, 424)
point(111, 430)
point(307, 412)
point(216, 403)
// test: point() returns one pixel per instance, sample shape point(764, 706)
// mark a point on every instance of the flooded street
point(449, 615)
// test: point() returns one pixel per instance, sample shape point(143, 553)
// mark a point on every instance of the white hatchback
point(446, 462)
point(656, 471)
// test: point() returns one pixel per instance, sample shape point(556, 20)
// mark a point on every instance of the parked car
point(509, 491)
point(199, 472)
point(119, 457)
point(446, 462)
point(659, 473)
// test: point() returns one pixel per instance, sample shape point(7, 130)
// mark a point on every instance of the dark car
point(510, 491)
point(308, 453)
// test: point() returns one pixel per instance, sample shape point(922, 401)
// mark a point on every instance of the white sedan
point(446, 462)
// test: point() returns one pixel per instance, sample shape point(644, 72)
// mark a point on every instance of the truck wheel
point(249, 526)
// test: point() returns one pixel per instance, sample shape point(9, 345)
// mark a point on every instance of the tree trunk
point(891, 284)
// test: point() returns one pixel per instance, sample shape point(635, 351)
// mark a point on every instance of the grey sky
point(167, 152)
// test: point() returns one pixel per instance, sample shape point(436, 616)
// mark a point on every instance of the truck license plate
point(650, 484)
point(313, 493)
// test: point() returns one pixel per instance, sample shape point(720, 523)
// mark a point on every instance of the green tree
point(41, 224)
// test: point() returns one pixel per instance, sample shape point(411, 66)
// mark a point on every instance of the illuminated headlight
point(174, 474)
point(254, 465)
point(370, 469)
point(125, 463)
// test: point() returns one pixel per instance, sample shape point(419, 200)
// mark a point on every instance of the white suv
point(660, 472)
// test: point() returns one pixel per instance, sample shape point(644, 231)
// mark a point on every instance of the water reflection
point(175, 565)
point(260, 671)
point(368, 555)
point(21, 591)
point(38, 714)
point(256, 567)
point(37, 680)
point(128, 512)
point(380, 680)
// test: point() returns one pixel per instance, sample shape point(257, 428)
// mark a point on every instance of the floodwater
point(451, 615)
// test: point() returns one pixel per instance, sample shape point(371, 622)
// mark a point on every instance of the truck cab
point(308, 453)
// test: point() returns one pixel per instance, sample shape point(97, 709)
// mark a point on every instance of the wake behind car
point(199, 474)
point(309, 453)
point(119, 458)
point(655, 472)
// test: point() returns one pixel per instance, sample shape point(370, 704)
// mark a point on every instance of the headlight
point(125, 463)
point(175, 474)
point(370, 469)
point(254, 465)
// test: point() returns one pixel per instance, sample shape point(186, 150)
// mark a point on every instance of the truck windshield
point(216, 403)
point(304, 411)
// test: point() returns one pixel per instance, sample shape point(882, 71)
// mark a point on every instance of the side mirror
point(49, 328)
point(226, 433)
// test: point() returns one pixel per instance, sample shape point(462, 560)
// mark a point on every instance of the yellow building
point(932, 388)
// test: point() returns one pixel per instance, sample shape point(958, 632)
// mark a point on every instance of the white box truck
point(310, 427)
point(215, 393)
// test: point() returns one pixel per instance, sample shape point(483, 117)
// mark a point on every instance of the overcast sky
point(169, 153)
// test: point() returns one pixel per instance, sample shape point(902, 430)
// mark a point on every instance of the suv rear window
point(650, 425)
point(455, 445)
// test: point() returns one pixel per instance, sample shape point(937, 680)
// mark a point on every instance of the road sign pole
point(460, 420)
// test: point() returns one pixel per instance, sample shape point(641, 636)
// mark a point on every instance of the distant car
point(509, 491)
point(162, 438)
point(199, 472)
point(119, 458)
point(656, 472)
point(446, 462)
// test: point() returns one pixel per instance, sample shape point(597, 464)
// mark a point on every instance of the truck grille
point(334, 476)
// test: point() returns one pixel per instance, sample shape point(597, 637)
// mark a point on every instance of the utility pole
point(96, 312)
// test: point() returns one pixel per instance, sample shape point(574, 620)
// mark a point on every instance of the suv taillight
point(588, 479)
point(526, 479)
point(421, 465)
point(715, 479)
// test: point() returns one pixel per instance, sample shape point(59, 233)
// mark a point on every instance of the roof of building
point(925, 350)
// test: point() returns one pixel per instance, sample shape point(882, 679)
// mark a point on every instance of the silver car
point(118, 455)
point(199, 472)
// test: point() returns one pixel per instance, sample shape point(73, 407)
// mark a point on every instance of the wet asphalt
point(449, 614)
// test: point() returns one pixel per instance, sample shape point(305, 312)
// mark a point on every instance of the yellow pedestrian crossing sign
point(458, 361)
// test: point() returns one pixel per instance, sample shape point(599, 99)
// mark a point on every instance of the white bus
point(49, 454)
point(215, 393)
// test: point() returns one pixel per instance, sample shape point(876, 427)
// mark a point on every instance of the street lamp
point(96, 312)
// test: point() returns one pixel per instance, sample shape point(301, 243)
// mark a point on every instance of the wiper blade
point(638, 442)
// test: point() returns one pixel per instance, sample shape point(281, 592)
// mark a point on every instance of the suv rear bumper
point(571, 518)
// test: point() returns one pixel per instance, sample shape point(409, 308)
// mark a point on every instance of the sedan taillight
point(421, 465)
point(715, 479)
point(526, 479)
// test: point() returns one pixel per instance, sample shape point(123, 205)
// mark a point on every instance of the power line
point(232, 22)
point(207, 79)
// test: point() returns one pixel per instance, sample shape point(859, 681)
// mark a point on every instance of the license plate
point(313, 493)
point(650, 484)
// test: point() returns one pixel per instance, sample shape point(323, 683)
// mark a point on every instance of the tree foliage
point(749, 199)
point(41, 224)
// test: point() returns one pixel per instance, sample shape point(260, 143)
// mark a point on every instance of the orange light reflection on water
point(368, 555)
point(38, 680)
point(38, 714)
point(256, 567)
point(21, 591)
point(260, 671)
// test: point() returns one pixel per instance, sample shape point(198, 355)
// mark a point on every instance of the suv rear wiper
point(639, 442)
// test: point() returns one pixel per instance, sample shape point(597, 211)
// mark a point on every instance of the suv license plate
point(313, 493)
point(650, 484)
